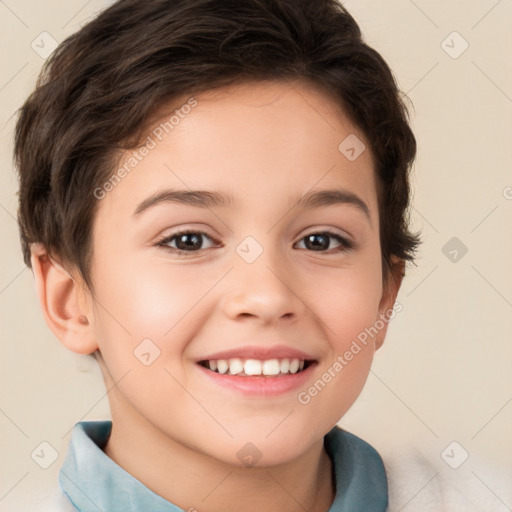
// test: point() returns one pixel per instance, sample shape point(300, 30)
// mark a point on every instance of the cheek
point(349, 303)
point(147, 299)
point(348, 308)
point(137, 302)
point(143, 324)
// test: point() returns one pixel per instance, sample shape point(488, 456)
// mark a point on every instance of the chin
point(278, 448)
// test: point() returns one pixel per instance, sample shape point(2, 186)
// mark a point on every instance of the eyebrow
point(211, 199)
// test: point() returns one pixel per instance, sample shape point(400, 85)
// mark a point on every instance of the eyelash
point(345, 244)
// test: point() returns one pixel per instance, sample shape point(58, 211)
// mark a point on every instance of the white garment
point(418, 485)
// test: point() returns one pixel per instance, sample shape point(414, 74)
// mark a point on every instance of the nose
point(262, 291)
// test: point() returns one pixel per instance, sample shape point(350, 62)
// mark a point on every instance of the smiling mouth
point(256, 367)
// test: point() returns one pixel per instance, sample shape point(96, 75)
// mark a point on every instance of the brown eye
point(185, 241)
point(321, 241)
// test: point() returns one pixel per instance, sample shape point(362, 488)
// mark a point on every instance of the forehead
point(258, 141)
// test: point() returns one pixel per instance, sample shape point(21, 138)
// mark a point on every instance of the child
point(213, 200)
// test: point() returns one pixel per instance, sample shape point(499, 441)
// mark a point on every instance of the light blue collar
point(95, 483)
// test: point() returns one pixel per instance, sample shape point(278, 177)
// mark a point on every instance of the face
point(268, 277)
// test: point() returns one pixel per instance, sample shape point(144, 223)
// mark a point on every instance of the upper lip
point(259, 352)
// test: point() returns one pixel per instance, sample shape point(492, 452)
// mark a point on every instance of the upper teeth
point(236, 366)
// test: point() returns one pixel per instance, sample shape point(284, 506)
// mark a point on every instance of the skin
point(266, 144)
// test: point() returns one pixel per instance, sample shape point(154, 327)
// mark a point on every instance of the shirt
point(419, 482)
point(93, 482)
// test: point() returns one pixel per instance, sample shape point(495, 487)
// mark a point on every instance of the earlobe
point(389, 294)
point(67, 316)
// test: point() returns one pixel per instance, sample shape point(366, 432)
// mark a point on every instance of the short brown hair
point(104, 82)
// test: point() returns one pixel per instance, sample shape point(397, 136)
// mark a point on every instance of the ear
point(390, 291)
point(66, 304)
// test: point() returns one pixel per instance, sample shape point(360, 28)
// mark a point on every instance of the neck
point(196, 481)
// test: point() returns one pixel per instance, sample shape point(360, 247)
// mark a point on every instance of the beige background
point(444, 373)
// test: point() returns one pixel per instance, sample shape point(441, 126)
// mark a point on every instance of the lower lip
point(260, 385)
